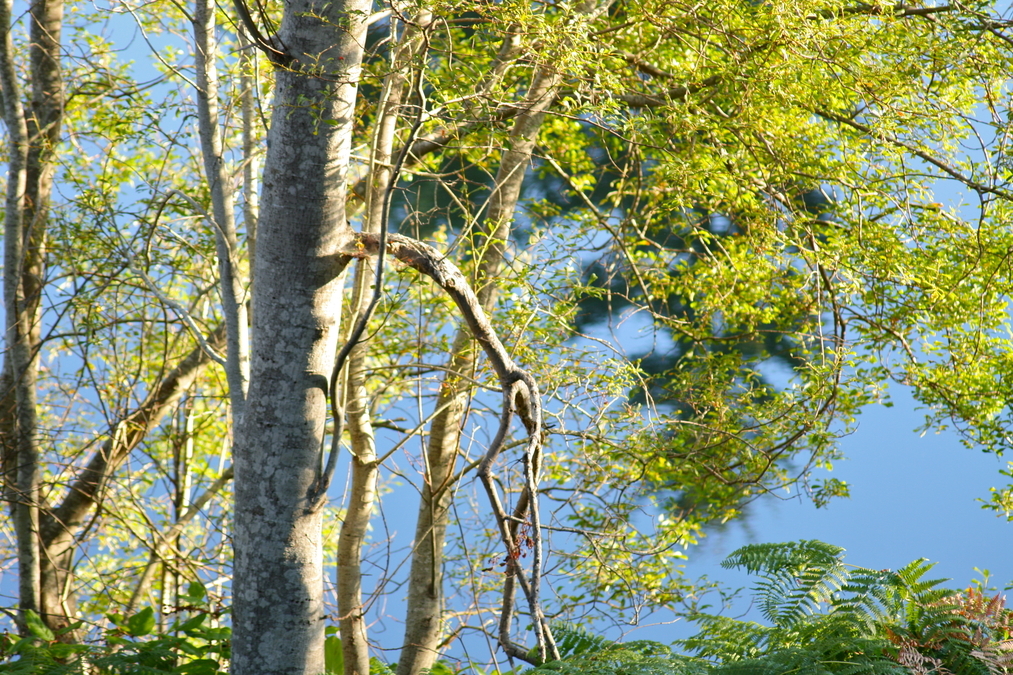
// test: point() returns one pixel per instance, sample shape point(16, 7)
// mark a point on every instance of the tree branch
point(124, 436)
point(951, 171)
point(520, 391)
point(165, 539)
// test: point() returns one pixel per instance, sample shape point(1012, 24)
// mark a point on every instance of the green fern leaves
point(827, 618)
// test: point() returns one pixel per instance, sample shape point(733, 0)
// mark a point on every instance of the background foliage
point(728, 243)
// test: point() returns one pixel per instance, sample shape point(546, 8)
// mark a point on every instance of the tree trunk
point(278, 610)
point(44, 125)
point(359, 509)
point(32, 138)
point(365, 466)
point(227, 244)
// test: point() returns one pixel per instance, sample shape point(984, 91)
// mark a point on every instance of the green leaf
point(192, 623)
point(198, 667)
point(334, 657)
point(141, 623)
point(37, 628)
point(62, 650)
point(195, 593)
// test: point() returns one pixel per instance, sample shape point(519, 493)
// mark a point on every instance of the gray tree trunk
point(21, 371)
point(33, 131)
point(230, 284)
point(278, 612)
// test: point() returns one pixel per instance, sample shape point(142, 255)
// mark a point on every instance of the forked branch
point(520, 396)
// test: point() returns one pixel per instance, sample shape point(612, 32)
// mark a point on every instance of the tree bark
point(230, 284)
point(32, 141)
point(277, 588)
point(19, 324)
point(247, 82)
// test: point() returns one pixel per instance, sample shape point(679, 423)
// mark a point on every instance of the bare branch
point(124, 436)
point(164, 540)
point(520, 390)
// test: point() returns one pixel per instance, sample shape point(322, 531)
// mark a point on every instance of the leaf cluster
point(825, 617)
point(131, 646)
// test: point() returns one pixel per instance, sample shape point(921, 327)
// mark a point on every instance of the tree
point(752, 179)
point(32, 135)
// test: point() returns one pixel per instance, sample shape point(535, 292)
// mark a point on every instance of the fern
point(796, 578)
point(574, 641)
point(129, 648)
point(830, 618)
point(634, 658)
point(724, 639)
point(586, 654)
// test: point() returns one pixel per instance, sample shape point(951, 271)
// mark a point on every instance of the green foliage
point(748, 180)
point(129, 648)
point(828, 618)
point(334, 656)
point(831, 618)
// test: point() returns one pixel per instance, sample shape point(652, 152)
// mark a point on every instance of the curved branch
point(520, 396)
point(278, 57)
point(951, 171)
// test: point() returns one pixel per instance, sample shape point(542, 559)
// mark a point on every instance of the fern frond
point(724, 639)
point(572, 640)
point(917, 588)
point(796, 577)
point(861, 658)
point(872, 597)
point(767, 558)
point(634, 658)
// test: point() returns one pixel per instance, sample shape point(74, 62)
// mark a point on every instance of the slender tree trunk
point(247, 103)
point(230, 283)
point(32, 139)
point(164, 540)
point(365, 467)
point(58, 606)
point(355, 526)
point(278, 613)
